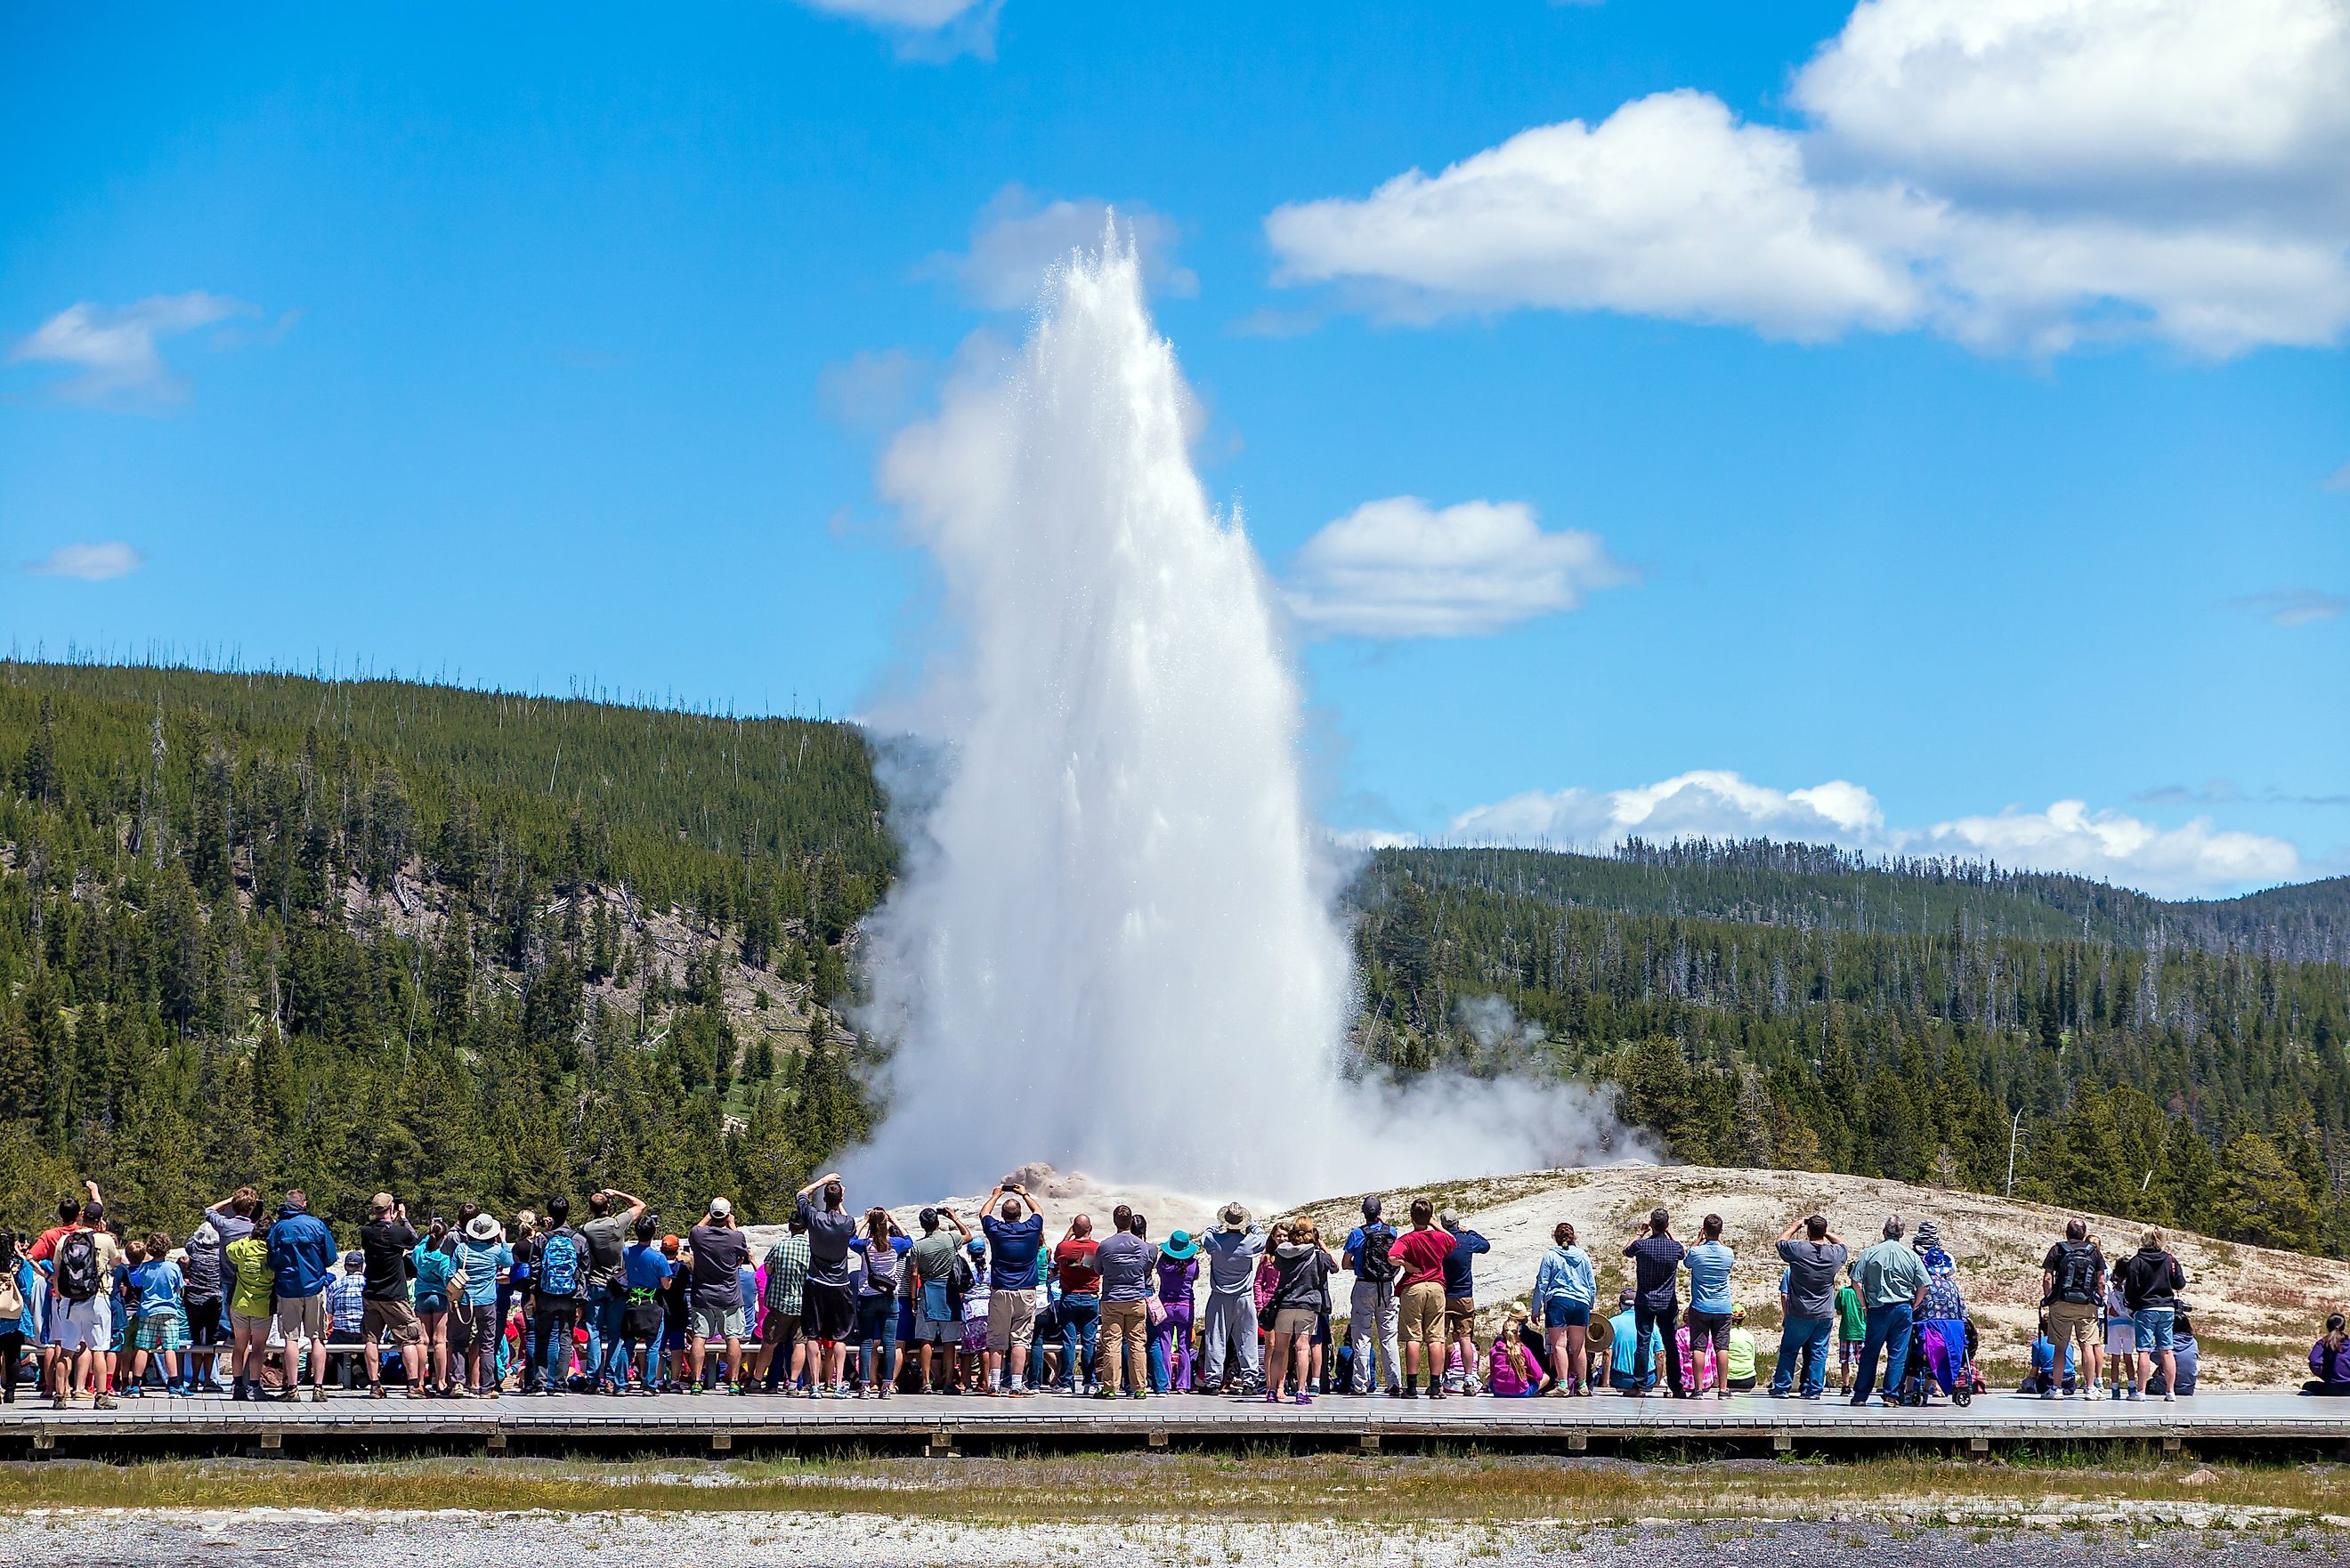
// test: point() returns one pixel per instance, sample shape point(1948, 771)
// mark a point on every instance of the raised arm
point(952, 1217)
point(819, 1181)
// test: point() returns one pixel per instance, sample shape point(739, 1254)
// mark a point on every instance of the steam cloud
point(1113, 945)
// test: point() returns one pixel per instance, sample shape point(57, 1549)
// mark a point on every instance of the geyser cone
point(1108, 950)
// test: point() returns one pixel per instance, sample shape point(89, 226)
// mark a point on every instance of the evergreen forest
point(352, 934)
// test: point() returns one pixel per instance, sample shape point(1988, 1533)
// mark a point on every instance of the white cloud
point(2292, 607)
point(2146, 98)
point(90, 563)
point(1705, 802)
point(925, 29)
point(2014, 173)
point(1669, 207)
point(1400, 567)
point(2190, 860)
point(2068, 836)
point(1018, 240)
point(113, 346)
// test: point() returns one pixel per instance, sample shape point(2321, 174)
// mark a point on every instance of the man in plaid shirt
point(346, 1307)
point(788, 1268)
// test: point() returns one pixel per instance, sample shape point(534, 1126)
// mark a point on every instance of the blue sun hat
point(1182, 1244)
point(978, 1247)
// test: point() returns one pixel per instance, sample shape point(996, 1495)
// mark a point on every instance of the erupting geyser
point(1113, 946)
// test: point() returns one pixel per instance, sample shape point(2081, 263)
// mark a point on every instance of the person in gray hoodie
point(1230, 1329)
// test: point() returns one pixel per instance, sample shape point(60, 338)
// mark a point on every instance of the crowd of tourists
point(263, 1304)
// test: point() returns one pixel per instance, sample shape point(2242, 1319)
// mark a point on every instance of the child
point(1512, 1374)
point(159, 1285)
point(2121, 1341)
point(1852, 1328)
point(974, 1321)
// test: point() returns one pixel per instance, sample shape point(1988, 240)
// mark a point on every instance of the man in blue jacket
point(301, 1256)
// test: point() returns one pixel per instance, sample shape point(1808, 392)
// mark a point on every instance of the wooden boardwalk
point(938, 1425)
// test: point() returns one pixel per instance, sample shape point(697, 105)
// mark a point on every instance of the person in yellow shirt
point(249, 1307)
point(1738, 1357)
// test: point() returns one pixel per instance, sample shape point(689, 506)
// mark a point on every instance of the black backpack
point(2076, 1274)
point(1373, 1266)
point(76, 1271)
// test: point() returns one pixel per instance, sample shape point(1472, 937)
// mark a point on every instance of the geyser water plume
point(1112, 946)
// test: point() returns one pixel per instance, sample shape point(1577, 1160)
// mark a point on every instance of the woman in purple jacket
point(2329, 1362)
point(1178, 1272)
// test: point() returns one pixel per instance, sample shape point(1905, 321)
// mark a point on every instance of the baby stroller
point(1941, 1354)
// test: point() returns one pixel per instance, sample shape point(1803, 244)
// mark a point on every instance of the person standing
point(1080, 1302)
point(883, 1249)
point(1123, 1264)
point(83, 1258)
point(940, 1278)
point(1371, 1321)
point(386, 1314)
point(1420, 1255)
point(1179, 1278)
point(20, 1288)
point(2072, 1288)
point(484, 1256)
point(1461, 1295)
point(612, 1215)
point(827, 1301)
point(1892, 1280)
point(1015, 1239)
point(2121, 1338)
point(645, 1270)
point(719, 1253)
point(1808, 1304)
point(1229, 1346)
point(558, 1286)
point(206, 1302)
point(1301, 1295)
point(1656, 1280)
point(301, 1257)
point(2151, 1281)
point(1565, 1290)
point(1709, 1264)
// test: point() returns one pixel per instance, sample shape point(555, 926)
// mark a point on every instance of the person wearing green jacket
point(1852, 1327)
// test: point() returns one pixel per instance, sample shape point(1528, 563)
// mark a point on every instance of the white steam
point(1112, 946)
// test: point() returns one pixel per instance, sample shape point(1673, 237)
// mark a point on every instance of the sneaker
point(2136, 1396)
point(1303, 1399)
point(103, 1402)
point(2044, 1393)
point(2171, 1398)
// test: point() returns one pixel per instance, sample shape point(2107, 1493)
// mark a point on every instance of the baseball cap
point(721, 1206)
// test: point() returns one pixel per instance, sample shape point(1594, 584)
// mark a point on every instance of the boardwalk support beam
point(1155, 1437)
point(940, 1446)
point(721, 1442)
point(1369, 1442)
point(495, 1442)
point(1780, 1443)
point(1578, 1442)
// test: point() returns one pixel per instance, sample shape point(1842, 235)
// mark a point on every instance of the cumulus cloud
point(1400, 567)
point(2016, 174)
point(1669, 207)
point(925, 29)
point(113, 347)
point(89, 563)
point(2197, 859)
point(2292, 607)
point(1018, 239)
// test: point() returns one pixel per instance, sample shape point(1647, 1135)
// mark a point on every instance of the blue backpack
point(558, 1265)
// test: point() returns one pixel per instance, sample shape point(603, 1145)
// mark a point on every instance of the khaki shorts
point(2074, 1321)
point(1421, 1309)
point(1011, 1321)
point(1296, 1320)
point(302, 1318)
point(391, 1322)
point(248, 1323)
point(1460, 1315)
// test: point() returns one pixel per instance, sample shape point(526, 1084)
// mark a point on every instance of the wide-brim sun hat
point(482, 1228)
point(1234, 1216)
point(1182, 1244)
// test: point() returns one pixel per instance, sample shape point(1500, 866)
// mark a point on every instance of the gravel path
point(391, 1540)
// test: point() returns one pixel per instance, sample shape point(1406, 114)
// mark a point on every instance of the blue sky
point(1950, 412)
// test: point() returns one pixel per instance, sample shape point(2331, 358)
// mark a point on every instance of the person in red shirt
point(44, 1249)
point(1080, 1304)
point(1419, 1255)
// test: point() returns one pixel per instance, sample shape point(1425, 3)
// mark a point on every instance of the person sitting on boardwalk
point(2329, 1362)
point(1512, 1371)
point(1738, 1354)
point(1624, 1346)
point(2184, 1355)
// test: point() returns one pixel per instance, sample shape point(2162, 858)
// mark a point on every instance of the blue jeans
point(1888, 1331)
point(608, 1354)
point(877, 1323)
point(1080, 1326)
point(1796, 1335)
point(1662, 1325)
point(550, 1349)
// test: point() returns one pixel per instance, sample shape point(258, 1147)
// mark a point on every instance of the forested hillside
point(2207, 1087)
point(346, 934)
point(468, 944)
